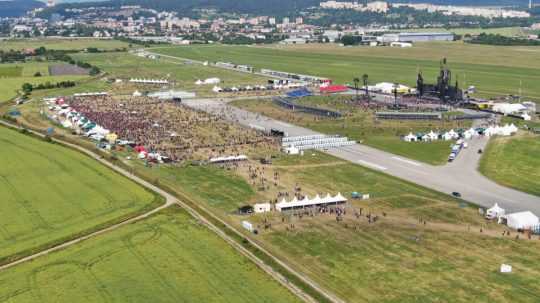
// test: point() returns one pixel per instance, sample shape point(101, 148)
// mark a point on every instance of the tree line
point(497, 39)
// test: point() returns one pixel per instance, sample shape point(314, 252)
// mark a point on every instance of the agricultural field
point(62, 44)
point(50, 193)
point(169, 257)
point(10, 71)
point(396, 259)
point(492, 70)
point(14, 75)
point(514, 162)
point(361, 126)
point(10, 86)
point(125, 66)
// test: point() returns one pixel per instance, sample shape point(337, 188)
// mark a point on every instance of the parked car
point(456, 194)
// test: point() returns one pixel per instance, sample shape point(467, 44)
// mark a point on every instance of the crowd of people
point(168, 127)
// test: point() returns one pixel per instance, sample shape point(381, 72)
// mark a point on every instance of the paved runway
point(461, 175)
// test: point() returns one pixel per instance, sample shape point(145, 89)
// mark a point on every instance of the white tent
point(521, 220)
point(212, 81)
point(410, 138)
point(513, 129)
point(67, 124)
point(495, 212)
point(198, 82)
point(291, 150)
point(447, 136)
point(307, 202)
point(433, 136)
point(453, 134)
point(490, 131)
point(508, 108)
point(137, 93)
point(262, 207)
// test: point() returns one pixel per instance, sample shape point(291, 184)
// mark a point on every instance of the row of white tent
point(433, 136)
point(506, 130)
point(307, 202)
point(75, 119)
point(218, 89)
point(149, 81)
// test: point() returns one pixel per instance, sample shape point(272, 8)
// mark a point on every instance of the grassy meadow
point(126, 66)
point(10, 71)
point(361, 126)
point(514, 162)
point(169, 257)
point(61, 44)
point(51, 193)
point(396, 259)
point(10, 86)
point(493, 70)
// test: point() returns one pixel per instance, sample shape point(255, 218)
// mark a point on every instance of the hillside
point(15, 8)
point(268, 7)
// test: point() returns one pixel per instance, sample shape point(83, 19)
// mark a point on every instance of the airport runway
point(460, 176)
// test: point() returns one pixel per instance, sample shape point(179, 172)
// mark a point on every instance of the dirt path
point(171, 200)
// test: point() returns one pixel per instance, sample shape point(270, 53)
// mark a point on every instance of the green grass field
point(50, 193)
point(126, 66)
point(514, 162)
point(169, 257)
point(493, 70)
point(395, 260)
point(10, 71)
point(62, 44)
point(360, 126)
point(10, 86)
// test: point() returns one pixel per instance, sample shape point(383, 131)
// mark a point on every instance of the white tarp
point(262, 207)
point(505, 268)
point(521, 220)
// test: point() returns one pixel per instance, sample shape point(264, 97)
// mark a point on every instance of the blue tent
point(299, 93)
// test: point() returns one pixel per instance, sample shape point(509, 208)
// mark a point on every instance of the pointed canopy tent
point(432, 136)
point(495, 212)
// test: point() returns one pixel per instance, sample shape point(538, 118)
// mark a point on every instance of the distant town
point(373, 23)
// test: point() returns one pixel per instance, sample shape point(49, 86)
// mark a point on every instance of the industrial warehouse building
point(416, 37)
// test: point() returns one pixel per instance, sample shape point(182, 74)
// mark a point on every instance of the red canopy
point(140, 149)
point(333, 89)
